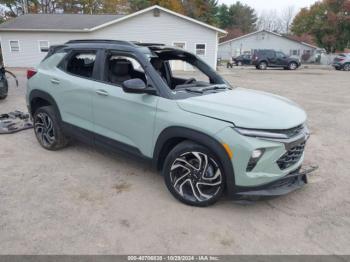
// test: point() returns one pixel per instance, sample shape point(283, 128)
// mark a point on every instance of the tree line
point(327, 22)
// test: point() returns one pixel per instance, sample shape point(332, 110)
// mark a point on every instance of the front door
point(123, 120)
point(281, 59)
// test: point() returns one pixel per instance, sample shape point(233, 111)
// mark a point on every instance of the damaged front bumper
point(282, 186)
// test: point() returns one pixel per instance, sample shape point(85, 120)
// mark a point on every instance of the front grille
point(292, 156)
point(294, 131)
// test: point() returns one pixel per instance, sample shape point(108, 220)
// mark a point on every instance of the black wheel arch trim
point(45, 96)
point(201, 138)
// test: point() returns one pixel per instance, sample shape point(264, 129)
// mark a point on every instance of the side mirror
point(137, 86)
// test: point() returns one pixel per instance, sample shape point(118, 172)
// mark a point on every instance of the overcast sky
point(261, 5)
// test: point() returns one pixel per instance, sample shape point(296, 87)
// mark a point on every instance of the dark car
point(243, 60)
point(265, 58)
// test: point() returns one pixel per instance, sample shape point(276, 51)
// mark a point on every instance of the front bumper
point(282, 186)
point(337, 66)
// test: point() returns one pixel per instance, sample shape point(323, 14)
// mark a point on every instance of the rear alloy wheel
point(292, 66)
point(346, 67)
point(48, 130)
point(44, 130)
point(239, 63)
point(262, 65)
point(193, 175)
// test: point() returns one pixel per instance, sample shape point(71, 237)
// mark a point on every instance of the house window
point(44, 46)
point(14, 45)
point(200, 49)
point(295, 52)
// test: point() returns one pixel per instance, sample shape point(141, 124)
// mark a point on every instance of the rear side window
point(82, 64)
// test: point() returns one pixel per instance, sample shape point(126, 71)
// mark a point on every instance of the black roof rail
point(148, 44)
point(103, 41)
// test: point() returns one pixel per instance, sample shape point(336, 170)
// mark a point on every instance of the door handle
point(101, 92)
point(55, 81)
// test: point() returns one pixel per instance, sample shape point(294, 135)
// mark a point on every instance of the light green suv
point(166, 106)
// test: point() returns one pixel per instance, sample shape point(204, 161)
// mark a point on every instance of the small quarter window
point(82, 64)
point(200, 49)
point(44, 46)
point(14, 45)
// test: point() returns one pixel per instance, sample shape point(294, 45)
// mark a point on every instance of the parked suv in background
point(342, 62)
point(264, 58)
point(205, 136)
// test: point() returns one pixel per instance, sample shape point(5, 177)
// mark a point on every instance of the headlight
point(260, 133)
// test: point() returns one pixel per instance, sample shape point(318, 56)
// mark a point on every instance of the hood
point(247, 108)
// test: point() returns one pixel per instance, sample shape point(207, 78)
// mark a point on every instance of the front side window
point(280, 55)
point(121, 68)
point(14, 46)
point(200, 49)
point(44, 46)
point(82, 64)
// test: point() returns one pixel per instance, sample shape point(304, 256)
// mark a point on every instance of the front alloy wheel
point(293, 66)
point(346, 67)
point(193, 175)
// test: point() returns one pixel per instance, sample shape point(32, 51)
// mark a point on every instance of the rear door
point(74, 85)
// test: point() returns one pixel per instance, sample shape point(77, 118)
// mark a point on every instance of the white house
point(25, 40)
point(263, 39)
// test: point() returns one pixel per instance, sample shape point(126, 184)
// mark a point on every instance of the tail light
point(30, 73)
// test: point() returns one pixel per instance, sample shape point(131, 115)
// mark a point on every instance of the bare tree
point(287, 16)
point(270, 20)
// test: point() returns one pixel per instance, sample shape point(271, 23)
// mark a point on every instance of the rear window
point(82, 63)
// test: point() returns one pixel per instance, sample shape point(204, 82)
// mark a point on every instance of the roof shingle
point(58, 21)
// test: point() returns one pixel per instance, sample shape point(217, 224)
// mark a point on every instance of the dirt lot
point(86, 201)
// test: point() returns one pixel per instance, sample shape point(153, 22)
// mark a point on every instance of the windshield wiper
point(214, 88)
point(204, 89)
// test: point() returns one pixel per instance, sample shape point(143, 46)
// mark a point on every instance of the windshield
point(184, 72)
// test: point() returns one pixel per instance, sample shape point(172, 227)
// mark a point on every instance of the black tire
point(194, 175)
point(2, 97)
point(48, 129)
point(292, 66)
point(262, 65)
point(346, 67)
point(3, 91)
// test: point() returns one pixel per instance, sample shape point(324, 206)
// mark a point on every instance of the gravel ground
point(82, 200)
